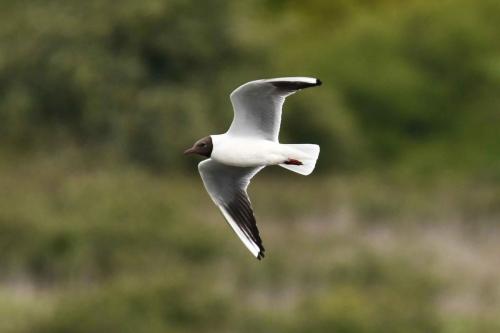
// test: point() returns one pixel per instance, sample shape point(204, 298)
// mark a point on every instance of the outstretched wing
point(257, 105)
point(227, 186)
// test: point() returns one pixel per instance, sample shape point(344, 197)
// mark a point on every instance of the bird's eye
point(202, 145)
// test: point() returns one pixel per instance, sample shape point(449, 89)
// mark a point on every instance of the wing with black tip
point(227, 186)
point(257, 105)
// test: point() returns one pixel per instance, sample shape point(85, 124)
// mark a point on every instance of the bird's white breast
point(246, 152)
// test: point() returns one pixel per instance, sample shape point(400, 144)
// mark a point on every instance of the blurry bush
point(417, 81)
point(143, 80)
point(369, 295)
point(131, 76)
point(153, 306)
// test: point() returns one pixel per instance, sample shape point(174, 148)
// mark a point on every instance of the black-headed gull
point(250, 144)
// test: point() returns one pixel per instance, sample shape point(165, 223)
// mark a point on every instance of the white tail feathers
point(307, 154)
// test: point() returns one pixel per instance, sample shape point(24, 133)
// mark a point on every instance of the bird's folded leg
point(293, 162)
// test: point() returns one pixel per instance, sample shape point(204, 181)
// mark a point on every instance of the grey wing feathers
point(257, 105)
point(227, 187)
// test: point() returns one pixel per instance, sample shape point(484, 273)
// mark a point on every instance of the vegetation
point(105, 226)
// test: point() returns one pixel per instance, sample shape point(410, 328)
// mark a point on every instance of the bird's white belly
point(248, 153)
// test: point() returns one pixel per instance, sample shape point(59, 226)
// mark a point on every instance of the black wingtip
point(295, 85)
point(260, 255)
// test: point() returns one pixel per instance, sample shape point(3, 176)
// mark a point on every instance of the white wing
point(227, 186)
point(257, 105)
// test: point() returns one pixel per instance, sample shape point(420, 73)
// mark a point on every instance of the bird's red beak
point(189, 151)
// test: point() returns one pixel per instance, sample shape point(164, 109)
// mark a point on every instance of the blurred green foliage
point(94, 95)
point(404, 82)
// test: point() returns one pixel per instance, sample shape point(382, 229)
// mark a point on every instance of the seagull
point(251, 144)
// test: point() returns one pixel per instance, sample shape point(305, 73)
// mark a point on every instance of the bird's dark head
point(201, 147)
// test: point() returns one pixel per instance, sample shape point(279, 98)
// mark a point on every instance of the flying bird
point(251, 144)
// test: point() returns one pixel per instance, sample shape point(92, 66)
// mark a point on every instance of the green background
point(105, 225)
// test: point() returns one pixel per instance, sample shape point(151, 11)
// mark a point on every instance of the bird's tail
point(305, 161)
